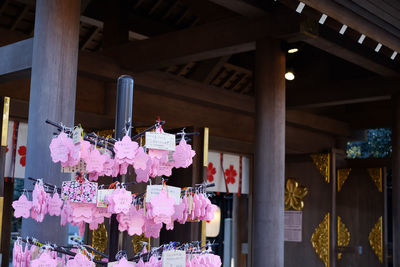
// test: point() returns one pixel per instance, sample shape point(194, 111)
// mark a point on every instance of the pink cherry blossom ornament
point(22, 207)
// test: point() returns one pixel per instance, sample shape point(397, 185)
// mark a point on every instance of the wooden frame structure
point(215, 63)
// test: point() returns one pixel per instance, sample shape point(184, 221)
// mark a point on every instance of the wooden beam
point(343, 92)
point(215, 69)
point(316, 122)
point(88, 40)
point(201, 42)
point(16, 57)
point(241, 7)
point(339, 93)
point(224, 135)
point(3, 6)
point(354, 21)
point(347, 54)
point(20, 17)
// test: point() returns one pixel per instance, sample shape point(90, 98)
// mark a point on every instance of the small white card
point(154, 190)
point(110, 264)
point(162, 141)
point(101, 197)
point(174, 258)
point(77, 135)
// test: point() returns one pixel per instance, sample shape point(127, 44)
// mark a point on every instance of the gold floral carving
point(342, 175)
point(100, 240)
point(294, 195)
point(376, 176)
point(138, 241)
point(323, 164)
point(320, 240)
point(376, 239)
point(343, 235)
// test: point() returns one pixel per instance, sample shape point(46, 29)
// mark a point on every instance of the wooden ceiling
point(383, 13)
point(325, 57)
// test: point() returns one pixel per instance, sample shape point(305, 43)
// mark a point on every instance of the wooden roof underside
point(349, 73)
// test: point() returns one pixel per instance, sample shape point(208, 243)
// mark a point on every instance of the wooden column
point(52, 96)
point(396, 180)
point(269, 174)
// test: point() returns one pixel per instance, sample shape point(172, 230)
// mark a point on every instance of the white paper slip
point(131, 263)
point(101, 197)
point(174, 258)
point(154, 190)
point(162, 141)
point(77, 135)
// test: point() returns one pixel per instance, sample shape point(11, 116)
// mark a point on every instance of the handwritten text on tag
point(162, 141)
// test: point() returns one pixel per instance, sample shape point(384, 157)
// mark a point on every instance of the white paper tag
point(101, 197)
point(162, 141)
point(174, 258)
point(154, 190)
point(77, 135)
point(110, 264)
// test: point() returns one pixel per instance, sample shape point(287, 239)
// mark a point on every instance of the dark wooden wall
point(316, 204)
point(360, 205)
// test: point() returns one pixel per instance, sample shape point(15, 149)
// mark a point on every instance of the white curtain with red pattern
point(228, 171)
point(16, 149)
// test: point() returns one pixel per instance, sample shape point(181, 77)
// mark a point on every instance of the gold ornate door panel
point(360, 206)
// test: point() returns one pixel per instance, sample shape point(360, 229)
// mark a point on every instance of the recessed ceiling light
point(289, 76)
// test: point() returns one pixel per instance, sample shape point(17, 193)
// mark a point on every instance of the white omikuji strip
point(378, 47)
point(343, 29)
point(393, 55)
point(361, 40)
point(322, 19)
point(300, 7)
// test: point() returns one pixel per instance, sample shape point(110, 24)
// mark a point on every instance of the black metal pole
point(123, 120)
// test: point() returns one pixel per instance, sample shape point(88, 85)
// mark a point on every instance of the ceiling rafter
point(92, 35)
point(20, 17)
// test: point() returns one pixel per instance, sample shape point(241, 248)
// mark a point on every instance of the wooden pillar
point(52, 96)
point(269, 173)
point(396, 180)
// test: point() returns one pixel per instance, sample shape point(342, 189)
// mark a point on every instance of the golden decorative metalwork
point(376, 176)
point(323, 164)
point(100, 239)
point(376, 239)
point(320, 240)
point(342, 175)
point(106, 133)
point(294, 195)
point(343, 235)
point(137, 243)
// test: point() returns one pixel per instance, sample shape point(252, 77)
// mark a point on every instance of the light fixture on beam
point(393, 55)
point(300, 7)
point(378, 47)
point(289, 75)
point(361, 39)
point(322, 19)
point(293, 50)
point(343, 29)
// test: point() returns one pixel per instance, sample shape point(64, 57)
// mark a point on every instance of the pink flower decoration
point(22, 207)
point(44, 260)
point(183, 155)
point(54, 205)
